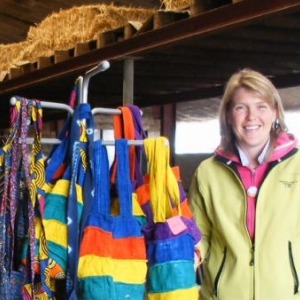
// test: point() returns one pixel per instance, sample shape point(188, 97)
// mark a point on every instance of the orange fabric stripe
point(185, 209)
point(143, 194)
point(176, 171)
point(129, 134)
point(56, 271)
point(101, 243)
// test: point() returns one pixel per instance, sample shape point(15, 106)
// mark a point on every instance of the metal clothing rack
point(83, 95)
point(83, 98)
point(51, 105)
point(53, 141)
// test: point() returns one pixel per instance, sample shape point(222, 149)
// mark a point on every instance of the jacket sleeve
point(199, 209)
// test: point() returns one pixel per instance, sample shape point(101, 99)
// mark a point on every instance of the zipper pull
point(252, 256)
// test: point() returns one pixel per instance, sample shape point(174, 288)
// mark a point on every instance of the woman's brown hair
point(253, 81)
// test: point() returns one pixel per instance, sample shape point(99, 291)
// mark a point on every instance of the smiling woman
point(243, 194)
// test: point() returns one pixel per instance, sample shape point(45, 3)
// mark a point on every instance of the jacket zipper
point(295, 275)
point(219, 273)
point(252, 258)
point(252, 255)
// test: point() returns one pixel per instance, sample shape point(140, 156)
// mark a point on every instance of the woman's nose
point(252, 113)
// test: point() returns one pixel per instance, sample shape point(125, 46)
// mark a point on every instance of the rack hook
point(103, 66)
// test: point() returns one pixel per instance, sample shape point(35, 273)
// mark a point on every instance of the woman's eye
point(239, 108)
point(262, 107)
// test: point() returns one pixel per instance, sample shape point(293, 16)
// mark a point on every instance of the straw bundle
point(63, 30)
point(176, 4)
point(9, 54)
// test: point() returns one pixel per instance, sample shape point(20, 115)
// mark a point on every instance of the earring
point(276, 124)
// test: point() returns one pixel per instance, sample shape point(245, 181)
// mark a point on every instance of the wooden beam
point(202, 25)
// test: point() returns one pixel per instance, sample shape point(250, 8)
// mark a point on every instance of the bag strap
point(124, 128)
point(36, 178)
point(163, 184)
point(58, 153)
point(123, 178)
point(139, 131)
point(102, 183)
point(78, 135)
point(140, 134)
point(9, 166)
point(30, 114)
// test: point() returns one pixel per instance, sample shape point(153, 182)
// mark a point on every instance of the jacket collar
point(284, 144)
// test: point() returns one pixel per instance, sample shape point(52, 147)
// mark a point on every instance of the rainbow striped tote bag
point(67, 163)
point(112, 263)
point(171, 237)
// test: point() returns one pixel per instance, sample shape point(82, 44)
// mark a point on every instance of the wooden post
point(168, 126)
point(128, 81)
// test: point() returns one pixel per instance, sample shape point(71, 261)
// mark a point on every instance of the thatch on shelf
point(176, 4)
point(63, 30)
point(9, 54)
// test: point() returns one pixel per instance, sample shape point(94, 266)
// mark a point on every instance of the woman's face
point(251, 119)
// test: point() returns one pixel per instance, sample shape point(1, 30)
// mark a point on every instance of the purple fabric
point(140, 133)
point(162, 231)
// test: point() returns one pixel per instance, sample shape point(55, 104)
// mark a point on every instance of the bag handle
point(123, 177)
point(10, 167)
point(102, 183)
point(139, 131)
point(30, 112)
point(80, 134)
point(124, 128)
point(36, 178)
point(163, 184)
point(140, 134)
point(58, 153)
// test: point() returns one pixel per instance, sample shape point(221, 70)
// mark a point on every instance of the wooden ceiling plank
point(290, 22)
point(267, 34)
point(201, 25)
point(237, 44)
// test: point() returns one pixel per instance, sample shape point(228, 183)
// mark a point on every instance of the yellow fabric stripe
point(79, 193)
point(56, 232)
point(61, 187)
point(137, 210)
point(187, 294)
point(122, 270)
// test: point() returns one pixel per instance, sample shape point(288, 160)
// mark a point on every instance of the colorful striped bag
point(61, 215)
point(170, 236)
point(112, 262)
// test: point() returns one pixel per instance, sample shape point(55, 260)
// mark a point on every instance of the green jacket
point(234, 267)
